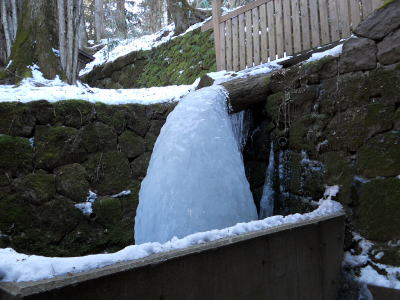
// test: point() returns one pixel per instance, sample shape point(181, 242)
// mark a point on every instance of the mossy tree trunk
point(46, 26)
point(37, 36)
point(184, 15)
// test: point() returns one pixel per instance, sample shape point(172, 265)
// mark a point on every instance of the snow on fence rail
point(265, 30)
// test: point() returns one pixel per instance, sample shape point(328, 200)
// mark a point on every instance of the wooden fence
point(265, 30)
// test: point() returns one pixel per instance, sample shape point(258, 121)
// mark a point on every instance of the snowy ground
point(368, 269)
point(15, 266)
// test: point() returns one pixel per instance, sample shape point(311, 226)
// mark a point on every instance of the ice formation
point(267, 198)
point(196, 179)
point(241, 124)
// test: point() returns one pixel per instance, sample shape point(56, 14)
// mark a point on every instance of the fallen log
point(247, 91)
point(244, 91)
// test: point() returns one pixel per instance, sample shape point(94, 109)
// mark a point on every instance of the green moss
point(3, 74)
point(386, 4)
point(16, 119)
point(377, 214)
point(179, 61)
point(37, 188)
point(16, 155)
point(380, 156)
point(73, 113)
point(57, 146)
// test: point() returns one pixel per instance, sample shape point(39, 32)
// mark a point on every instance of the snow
point(86, 207)
point(196, 179)
point(368, 274)
point(145, 42)
point(39, 88)
point(15, 266)
point(267, 198)
point(122, 194)
point(223, 76)
point(335, 51)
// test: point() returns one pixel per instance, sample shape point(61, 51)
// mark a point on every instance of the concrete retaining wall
point(300, 261)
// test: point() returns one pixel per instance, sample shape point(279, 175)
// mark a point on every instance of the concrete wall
point(299, 261)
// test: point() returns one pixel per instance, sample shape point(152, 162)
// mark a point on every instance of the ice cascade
point(195, 180)
point(267, 198)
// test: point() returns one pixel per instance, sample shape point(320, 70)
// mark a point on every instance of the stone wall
point(179, 61)
point(51, 155)
point(336, 121)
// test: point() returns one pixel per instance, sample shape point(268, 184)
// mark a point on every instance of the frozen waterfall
point(196, 179)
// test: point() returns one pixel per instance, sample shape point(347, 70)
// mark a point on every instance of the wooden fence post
point(216, 14)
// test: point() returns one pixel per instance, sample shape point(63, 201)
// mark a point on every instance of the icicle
point(241, 124)
point(267, 199)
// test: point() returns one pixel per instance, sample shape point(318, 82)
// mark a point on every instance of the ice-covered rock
point(196, 179)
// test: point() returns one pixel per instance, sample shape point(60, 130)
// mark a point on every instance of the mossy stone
point(272, 106)
point(377, 215)
point(88, 237)
point(37, 188)
point(344, 92)
point(71, 182)
point(74, 113)
point(16, 119)
point(109, 172)
point(98, 137)
point(137, 119)
point(57, 146)
point(131, 144)
point(112, 115)
point(380, 156)
point(340, 170)
point(43, 111)
point(139, 165)
point(16, 156)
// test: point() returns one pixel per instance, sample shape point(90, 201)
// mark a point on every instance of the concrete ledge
point(295, 261)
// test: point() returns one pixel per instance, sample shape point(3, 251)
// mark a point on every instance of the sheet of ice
point(335, 51)
point(267, 198)
point(196, 179)
point(21, 267)
point(145, 42)
point(368, 274)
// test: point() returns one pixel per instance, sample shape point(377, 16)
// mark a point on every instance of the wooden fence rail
point(265, 30)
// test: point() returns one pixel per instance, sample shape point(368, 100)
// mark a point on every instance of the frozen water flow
point(241, 124)
point(267, 199)
point(196, 179)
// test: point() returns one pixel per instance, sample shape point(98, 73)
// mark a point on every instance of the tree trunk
point(6, 27)
point(99, 19)
point(83, 39)
point(44, 26)
point(122, 28)
point(37, 36)
point(184, 15)
point(61, 32)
